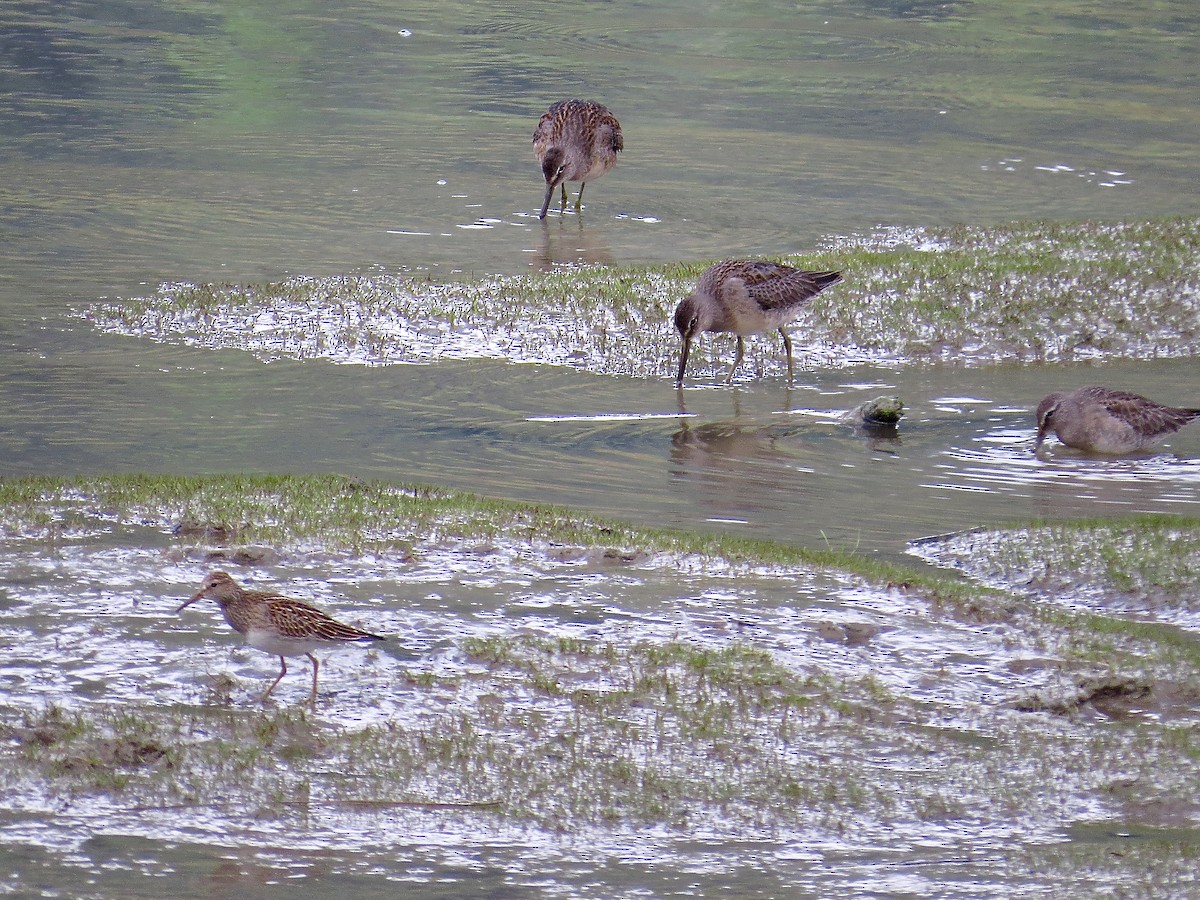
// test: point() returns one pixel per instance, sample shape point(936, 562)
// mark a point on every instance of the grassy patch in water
point(339, 513)
point(1144, 558)
point(104, 753)
point(333, 513)
point(1136, 574)
point(1035, 291)
point(564, 735)
point(557, 733)
point(1025, 292)
point(564, 731)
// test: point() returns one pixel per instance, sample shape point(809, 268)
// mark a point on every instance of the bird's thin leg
point(312, 700)
point(579, 196)
point(282, 672)
point(787, 345)
point(562, 206)
point(737, 360)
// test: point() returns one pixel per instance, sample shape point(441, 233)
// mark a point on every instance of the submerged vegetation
point(1023, 292)
point(1011, 716)
point(1143, 564)
point(569, 733)
point(346, 514)
point(565, 732)
point(1042, 693)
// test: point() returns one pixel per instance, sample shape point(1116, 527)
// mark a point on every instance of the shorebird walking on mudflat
point(747, 296)
point(575, 140)
point(276, 624)
point(1100, 420)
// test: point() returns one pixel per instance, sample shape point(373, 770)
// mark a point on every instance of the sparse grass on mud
point(1146, 560)
point(1134, 576)
point(566, 734)
point(339, 513)
point(565, 731)
point(1024, 292)
point(556, 733)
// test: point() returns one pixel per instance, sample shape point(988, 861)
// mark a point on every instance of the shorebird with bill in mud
point(747, 296)
point(575, 140)
point(277, 624)
point(1099, 420)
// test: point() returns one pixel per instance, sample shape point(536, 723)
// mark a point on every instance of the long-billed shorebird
point(747, 296)
point(276, 624)
point(575, 140)
point(1100, 420)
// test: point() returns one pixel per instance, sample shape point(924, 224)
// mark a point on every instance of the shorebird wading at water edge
point(747, 296)
point(1100, 420)
point(575, 140)
point(276, 624)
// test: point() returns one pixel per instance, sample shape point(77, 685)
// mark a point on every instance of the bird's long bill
point(1045, 424)
point(199, 595)
point(1043, 427)
point(683, 358)
point(550, 186)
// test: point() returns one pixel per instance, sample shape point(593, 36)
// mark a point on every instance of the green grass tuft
point(1029, 292)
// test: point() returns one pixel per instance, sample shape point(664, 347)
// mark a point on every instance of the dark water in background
point(145, 142)
point(241, 141)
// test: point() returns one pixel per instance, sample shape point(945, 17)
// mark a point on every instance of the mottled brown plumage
point(747, 296)
point(575, 140)
point(276, 624)
point(1100, 420)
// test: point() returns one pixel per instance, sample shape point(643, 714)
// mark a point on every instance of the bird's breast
point(276, 644)
point(596, 167)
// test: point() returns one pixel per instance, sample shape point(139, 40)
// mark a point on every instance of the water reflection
point(1090, 487)
point(144, 143)
point(762, 461)
point(1068, 483)
point(915, 9)
point(82, 79)
point(736, 470)
point(565, 240)
point(880, 437)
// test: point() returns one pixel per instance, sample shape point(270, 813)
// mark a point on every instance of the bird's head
point(554, 170)
point(1045, 417)
point(554, 166)
point(687, 318)
point(218, 586)
point(690, 320)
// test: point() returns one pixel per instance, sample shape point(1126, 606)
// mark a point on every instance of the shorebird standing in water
point(1100, 420)
point(276, 624)
point(575, 140)
point(747, 296)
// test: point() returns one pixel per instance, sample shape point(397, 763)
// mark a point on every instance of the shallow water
point(762, 459)
point(102, 604)
point(143, 144)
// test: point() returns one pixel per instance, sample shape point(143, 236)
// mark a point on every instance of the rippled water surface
point(103, 604)
point(151, 142)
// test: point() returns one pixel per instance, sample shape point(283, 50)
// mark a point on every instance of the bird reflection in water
point(742, 466)
point(569, 242)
